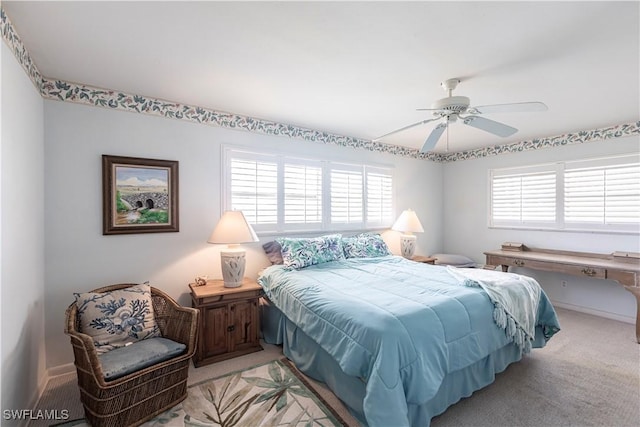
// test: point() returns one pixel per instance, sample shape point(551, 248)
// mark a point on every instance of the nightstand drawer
point(212, 299)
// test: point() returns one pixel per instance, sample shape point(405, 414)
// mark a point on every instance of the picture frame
point(139, 195)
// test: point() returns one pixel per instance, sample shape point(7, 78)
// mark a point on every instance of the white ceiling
point(358, 69)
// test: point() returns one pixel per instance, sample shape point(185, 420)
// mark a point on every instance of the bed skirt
point(311, 359)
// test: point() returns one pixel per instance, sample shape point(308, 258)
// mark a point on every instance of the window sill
point(566, 230)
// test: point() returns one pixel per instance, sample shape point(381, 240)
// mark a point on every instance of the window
point(279, 193)
point(379, 197)
point(595, 194)
point(520, 198)
point(602, 194)
point(302, 194)
point(346, 196)
point(254, 187)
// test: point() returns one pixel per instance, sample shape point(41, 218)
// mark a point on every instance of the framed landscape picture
point(139, 195)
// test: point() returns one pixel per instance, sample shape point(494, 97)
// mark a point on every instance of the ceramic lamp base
point(232, 263)
point(408, 245)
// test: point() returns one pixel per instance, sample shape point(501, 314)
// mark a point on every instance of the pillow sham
point(365, 245)
point(273, 250)
point(117, 318)
point(298, 253)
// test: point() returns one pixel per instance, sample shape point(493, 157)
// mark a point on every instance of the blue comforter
point(399, 325)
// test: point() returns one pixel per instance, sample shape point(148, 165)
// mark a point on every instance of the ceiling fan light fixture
point(455, 104)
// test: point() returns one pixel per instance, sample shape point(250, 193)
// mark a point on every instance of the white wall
point(80, 258)
point(22, 225)
point(451, 201)
point(466, 186)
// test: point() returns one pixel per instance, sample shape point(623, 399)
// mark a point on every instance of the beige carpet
point(588, 375)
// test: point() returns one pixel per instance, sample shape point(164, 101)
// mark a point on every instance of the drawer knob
point(519, 262)
point(589, 272)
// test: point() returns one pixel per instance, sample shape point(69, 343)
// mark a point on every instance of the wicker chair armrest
point(182, 326)
point(85, 343)
point(86, 340)
point(178, 323)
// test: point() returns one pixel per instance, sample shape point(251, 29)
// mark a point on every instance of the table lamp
point(233, 229)
point(408, 223)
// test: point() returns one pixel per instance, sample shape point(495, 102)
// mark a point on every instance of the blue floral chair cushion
point(365, 245)
point(125, 360)
point(114, 319)
point(298, 253)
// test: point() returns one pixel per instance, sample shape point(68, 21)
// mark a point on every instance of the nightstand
point(229, 320)
point(424, 259)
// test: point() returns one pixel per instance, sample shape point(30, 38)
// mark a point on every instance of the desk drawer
point(575, 270)
point(585, 271)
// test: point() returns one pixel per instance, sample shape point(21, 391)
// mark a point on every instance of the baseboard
point(599, 313)
point(44, 381)
point(35, 399)
point(61, 370)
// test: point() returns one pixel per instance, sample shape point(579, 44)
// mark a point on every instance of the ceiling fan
point(452, 108)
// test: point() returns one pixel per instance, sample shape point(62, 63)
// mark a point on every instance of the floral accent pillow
point(298, 253)
point(117, 318)
point(365, 245)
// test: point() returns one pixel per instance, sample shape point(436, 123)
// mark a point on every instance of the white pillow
point(455, 260)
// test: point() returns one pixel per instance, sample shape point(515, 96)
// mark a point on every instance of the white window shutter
point(302, 194)
point(254, 186)
point(346, 196)
point(379, 198)
point(603, 195)
point(524, 198)
point(506, 198)
point(539, 197)
point(280, 194)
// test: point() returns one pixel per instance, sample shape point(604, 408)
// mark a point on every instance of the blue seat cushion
point(139, 355)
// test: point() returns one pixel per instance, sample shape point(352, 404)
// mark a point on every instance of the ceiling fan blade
point(496, 128)
point(433, 138)
point(405, 128)
point(518, 107)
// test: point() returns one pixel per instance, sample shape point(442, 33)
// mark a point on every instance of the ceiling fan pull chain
point(447, 148)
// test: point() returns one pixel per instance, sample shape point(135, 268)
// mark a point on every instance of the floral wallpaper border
point(581, 137)
point(83, 94)
point(71, 92)
point(13, 41)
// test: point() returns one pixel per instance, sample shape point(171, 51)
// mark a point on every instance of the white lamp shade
point(408, 222)
point(233, 228)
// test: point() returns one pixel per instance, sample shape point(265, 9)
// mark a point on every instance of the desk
point(623, 268)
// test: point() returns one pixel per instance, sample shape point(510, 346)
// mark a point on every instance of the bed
point(398, 341)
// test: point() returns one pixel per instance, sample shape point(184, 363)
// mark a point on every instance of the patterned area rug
point(271, 394)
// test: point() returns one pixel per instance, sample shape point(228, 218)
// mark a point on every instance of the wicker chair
point(137, 397)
